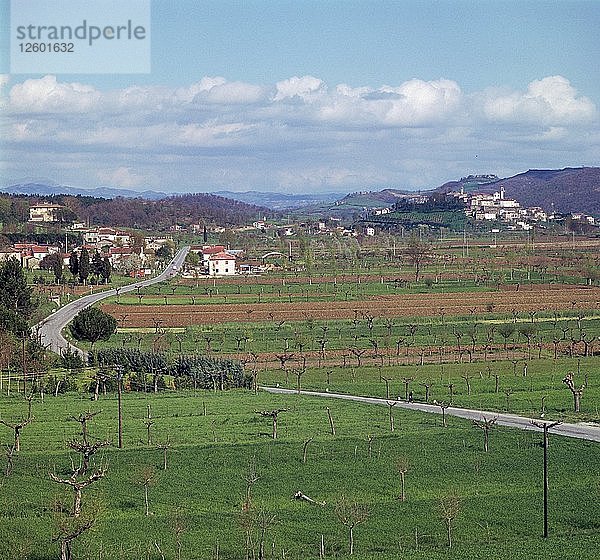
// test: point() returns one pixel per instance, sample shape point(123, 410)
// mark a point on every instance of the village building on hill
point(45, 212)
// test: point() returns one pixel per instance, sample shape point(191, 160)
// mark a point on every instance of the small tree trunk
point(18, 437)
point(146, 503)
point(351, 540)
point(77, 502)
point(331, 424)
point(65, 550)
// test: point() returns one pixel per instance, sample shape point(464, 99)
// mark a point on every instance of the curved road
point(49, 329)
point(582, 431)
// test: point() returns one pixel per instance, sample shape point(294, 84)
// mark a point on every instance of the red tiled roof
point(210, 250)
point(222, 256)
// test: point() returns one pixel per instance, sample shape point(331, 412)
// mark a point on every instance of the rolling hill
point(563, 190)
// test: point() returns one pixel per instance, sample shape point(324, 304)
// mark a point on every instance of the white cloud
point(121, 177)
point(305, 88)
point(47, 95)
point(550, 101)
point(300, 131)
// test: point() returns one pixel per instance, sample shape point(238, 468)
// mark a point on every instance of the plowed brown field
point(528, 298)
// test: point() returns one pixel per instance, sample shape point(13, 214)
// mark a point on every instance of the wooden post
point(120, 407)
point(331, 424)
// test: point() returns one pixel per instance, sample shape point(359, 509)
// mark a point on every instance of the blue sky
point(318, 95)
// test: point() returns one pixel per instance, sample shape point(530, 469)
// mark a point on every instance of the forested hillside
point(137, 212)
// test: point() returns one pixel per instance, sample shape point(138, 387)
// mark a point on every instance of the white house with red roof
point(208, 251)
point(221, 264)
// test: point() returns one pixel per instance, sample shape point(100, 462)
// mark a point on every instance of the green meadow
point(217, 442)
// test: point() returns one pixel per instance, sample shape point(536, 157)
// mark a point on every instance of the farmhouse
point(221, 264)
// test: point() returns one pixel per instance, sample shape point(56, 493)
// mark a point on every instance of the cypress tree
point(74, 264)
point(84, 265)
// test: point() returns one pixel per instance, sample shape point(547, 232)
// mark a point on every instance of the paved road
point(581, 431)
point(50, 328)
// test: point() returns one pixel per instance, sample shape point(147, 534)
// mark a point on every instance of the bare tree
point(407, 381)
point(251, 477)
point(146, 477)
point(264, 521)
point(351, 514)
point(148, 423)
point(76, 521)
point(165, 446)
point(417, 252)
point(427, 385)
point(467, 379)
point(449, 507)
point(486, 425)
point(402, 466)
point(386, 380)
point(179, 527)
point(357, 353)
point(391, 405)
point(443, 406)
point(577, 393)
point(10, 454)
point(79, 478)
point(299, 372)
point(16, 427)
point(70, 528)
point(273, 414)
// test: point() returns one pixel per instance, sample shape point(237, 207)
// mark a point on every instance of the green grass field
point(500, 491)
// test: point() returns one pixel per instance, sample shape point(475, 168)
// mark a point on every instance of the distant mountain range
point(280, 201)
point(562, 190)
point(50, 189)
point(271, 200)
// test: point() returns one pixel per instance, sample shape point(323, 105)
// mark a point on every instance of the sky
point(317, 96)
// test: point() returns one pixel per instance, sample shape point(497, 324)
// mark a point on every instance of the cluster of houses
point(29, 255)
point(483, 207)
point(215, 260)
point(496, 207)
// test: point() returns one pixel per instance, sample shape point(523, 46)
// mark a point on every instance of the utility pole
point(120, 405)
point(545, 426)
point(24, 361)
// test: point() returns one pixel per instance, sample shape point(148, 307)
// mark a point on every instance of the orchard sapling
point(449, 507)
point(350, 514)
point(16, 427)
point(273, 414)
point(402, 466)
point(577, 393)
point(485, 425)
